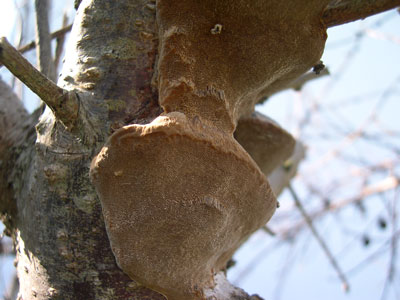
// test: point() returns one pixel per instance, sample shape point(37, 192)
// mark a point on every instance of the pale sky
point(7, 15)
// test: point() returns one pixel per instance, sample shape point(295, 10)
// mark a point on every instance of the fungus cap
point(265, 141)
point(178, 199)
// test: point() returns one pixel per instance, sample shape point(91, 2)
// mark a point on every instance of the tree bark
point(48, 203)
point(61, 244)
point(43, 39)
point(341, 12)
point(14, 125)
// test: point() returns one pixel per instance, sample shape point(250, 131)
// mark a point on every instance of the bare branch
point(298, 83)
point(281, 176)
point(374, 256)
point(268, 230)
point(6, 246)
point(345, 11)
point(60, 45)
point(394, 240)
point(56, 34)
point(43, 39)
point(64, 104)
point(319, 238)
point(382, 186)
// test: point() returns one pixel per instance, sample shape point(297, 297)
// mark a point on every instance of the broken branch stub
point(63, 103)
point(179, 195)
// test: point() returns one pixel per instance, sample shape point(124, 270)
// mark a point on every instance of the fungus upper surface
point(219, 77)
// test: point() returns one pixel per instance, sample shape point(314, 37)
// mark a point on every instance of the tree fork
point(63, 103)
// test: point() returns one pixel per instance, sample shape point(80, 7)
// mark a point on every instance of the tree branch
point(56, 34)
point(319, 239)
point(63, 103)
point(345, 11)
point(43, 39)
point(382, 186)
point(60, 41)
point(282, 175)
point(296, 84)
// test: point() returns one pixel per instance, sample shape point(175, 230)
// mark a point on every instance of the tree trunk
point(203, 63)
point(62, 247)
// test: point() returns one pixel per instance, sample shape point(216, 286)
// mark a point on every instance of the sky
point(364, 61)
point(7, 15)
point(286, 271)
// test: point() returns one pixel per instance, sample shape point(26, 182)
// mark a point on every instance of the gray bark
point(61, 243)
point(43, 39)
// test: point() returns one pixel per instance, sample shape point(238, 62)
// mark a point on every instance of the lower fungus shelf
point(178, 199)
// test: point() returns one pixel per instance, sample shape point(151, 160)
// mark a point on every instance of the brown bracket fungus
point(178, 199)
point(180, 194)
point(266, 142)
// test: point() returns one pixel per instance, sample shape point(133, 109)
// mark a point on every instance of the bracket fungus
point(180, 195)
point(178, 199)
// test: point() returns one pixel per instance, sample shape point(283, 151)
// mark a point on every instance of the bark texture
point(204, 65)
point(62, 247)
point(14, 133)
point(43, 39)
point(344, 11)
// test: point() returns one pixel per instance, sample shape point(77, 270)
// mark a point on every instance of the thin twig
point(22, 69)
point(43, 39)
point(281, 176)
point(63, 103)
point(60, 45)
point(372, 257)
point(287, 266)
point(345, 11)
point(20, 25)
point(256, 261)
point(392, 269)
point(268, 230)
point(55, 34)
point(299, 82)
point(319, 239)
point(393, 249)
point(382, 186)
